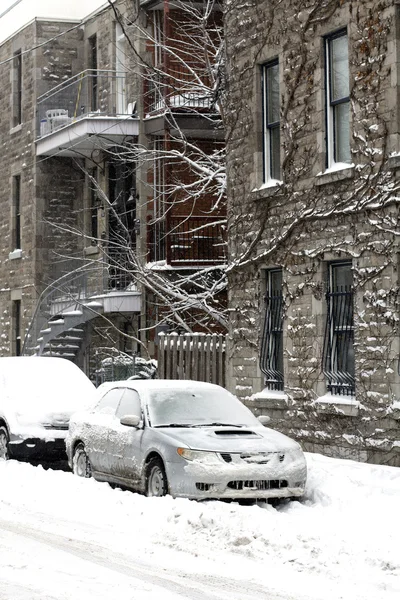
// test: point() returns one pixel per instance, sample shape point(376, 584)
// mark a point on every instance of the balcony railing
point(89, 93)
point(190, 241)
point(179, 90)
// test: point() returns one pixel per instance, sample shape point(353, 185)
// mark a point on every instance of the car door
point(124, 442)
point(99, 425)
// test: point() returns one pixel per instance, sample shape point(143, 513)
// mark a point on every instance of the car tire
point(156, 478)
point(4, 440)
point(80, 462)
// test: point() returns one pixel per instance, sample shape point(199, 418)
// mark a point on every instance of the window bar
point(338, 342)
point(271, 342)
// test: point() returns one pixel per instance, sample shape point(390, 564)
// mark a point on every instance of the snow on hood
point(231, 439)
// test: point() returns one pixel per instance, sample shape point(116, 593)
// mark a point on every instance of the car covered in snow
point(37, 397)
point(185, 438)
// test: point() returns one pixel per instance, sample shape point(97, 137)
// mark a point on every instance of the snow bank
point(341, 542)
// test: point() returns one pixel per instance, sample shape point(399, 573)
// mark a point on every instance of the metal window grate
point(338, 355)
point(271, 355)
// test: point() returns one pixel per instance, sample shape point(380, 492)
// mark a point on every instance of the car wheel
point(80, 462)
point(4, 439)
point(156, 478)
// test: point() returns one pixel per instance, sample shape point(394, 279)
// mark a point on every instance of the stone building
point(86, 201)
point(313, 212)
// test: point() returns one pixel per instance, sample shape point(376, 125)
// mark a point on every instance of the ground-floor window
point(338, 358)
point(271, 355)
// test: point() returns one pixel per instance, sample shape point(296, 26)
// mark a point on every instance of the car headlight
point(198, 455)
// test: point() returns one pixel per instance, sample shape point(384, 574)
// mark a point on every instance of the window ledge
point(339, 172)
point(394, 410)
point(90, 250)
point(394, 161)
point(267, 189)
point(15, 254)
point(346, 406)
point(273, 398)
point(16, 128)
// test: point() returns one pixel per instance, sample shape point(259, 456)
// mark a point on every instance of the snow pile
point(341, 542)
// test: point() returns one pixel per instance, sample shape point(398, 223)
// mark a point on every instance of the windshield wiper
point(175, 425)
point(218, 424)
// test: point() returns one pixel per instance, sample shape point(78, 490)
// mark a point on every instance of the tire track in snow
point(188, 586)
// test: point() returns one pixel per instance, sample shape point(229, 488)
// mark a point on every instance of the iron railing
point(271, 354)
point(74, 288)
point(89, 93)
point(338, 354)
point(178, 89)
point(189, 241)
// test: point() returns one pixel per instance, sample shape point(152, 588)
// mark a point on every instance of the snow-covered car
point(185, 438)
point(37, 397)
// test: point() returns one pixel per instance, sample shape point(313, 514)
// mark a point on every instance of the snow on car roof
point(42, 381)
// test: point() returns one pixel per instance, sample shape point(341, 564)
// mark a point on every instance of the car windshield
point(196, 407)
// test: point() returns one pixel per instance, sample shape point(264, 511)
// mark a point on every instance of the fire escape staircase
point(63, 334)
point(57, 327)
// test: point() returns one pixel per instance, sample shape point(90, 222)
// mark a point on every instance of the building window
point(120, 68)
point(93, 206)
point(93, 87)
point(121, 222)
point(271, 122)
point(16, 314)
point(337, 99)
point(271, 356)
point(338, 359)
point(17, 89)
point(16, 212)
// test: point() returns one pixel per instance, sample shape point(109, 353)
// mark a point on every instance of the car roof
point(144, 385)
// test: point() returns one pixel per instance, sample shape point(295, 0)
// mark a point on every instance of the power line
point(10, 8)
point(7, 60)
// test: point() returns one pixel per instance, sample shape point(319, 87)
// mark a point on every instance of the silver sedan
point(185, 438)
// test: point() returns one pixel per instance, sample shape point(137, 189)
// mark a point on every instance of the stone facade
point(319, 214)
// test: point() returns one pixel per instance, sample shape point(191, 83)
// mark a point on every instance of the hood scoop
point(235, 433)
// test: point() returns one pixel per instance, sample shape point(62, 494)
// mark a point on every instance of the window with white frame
point(17, 89)
point(271, 121)
point(271, 355)
point(337, 99)
point(338, 357)
point(120, 68)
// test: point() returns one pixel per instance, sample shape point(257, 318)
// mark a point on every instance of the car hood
point(230, 439)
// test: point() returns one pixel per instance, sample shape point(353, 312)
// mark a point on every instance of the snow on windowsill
point(342, 405)
point(339, 166)
point(271, 183)
point(336, 172)
point(275, 398)
point(394, 410)
point(17, 253)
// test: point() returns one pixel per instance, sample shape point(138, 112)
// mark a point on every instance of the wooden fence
point(196, 356)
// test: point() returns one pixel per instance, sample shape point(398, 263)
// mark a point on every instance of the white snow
point(16, 14)
point(64, 538)
point(37, 390)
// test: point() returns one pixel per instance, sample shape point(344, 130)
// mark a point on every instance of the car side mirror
point(130, 420)
point(264, 420)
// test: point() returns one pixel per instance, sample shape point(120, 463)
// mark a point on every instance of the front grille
point(227, 457)
point(260, 458)
point(58, 427)
point(203, 487)
point(258, 484)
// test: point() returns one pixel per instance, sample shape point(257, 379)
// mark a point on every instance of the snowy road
point(64, 538)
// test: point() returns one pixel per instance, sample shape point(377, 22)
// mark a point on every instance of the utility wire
point(10, 8)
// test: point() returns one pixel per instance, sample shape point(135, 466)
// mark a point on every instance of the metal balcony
point(190, 241)
point(87, 112)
